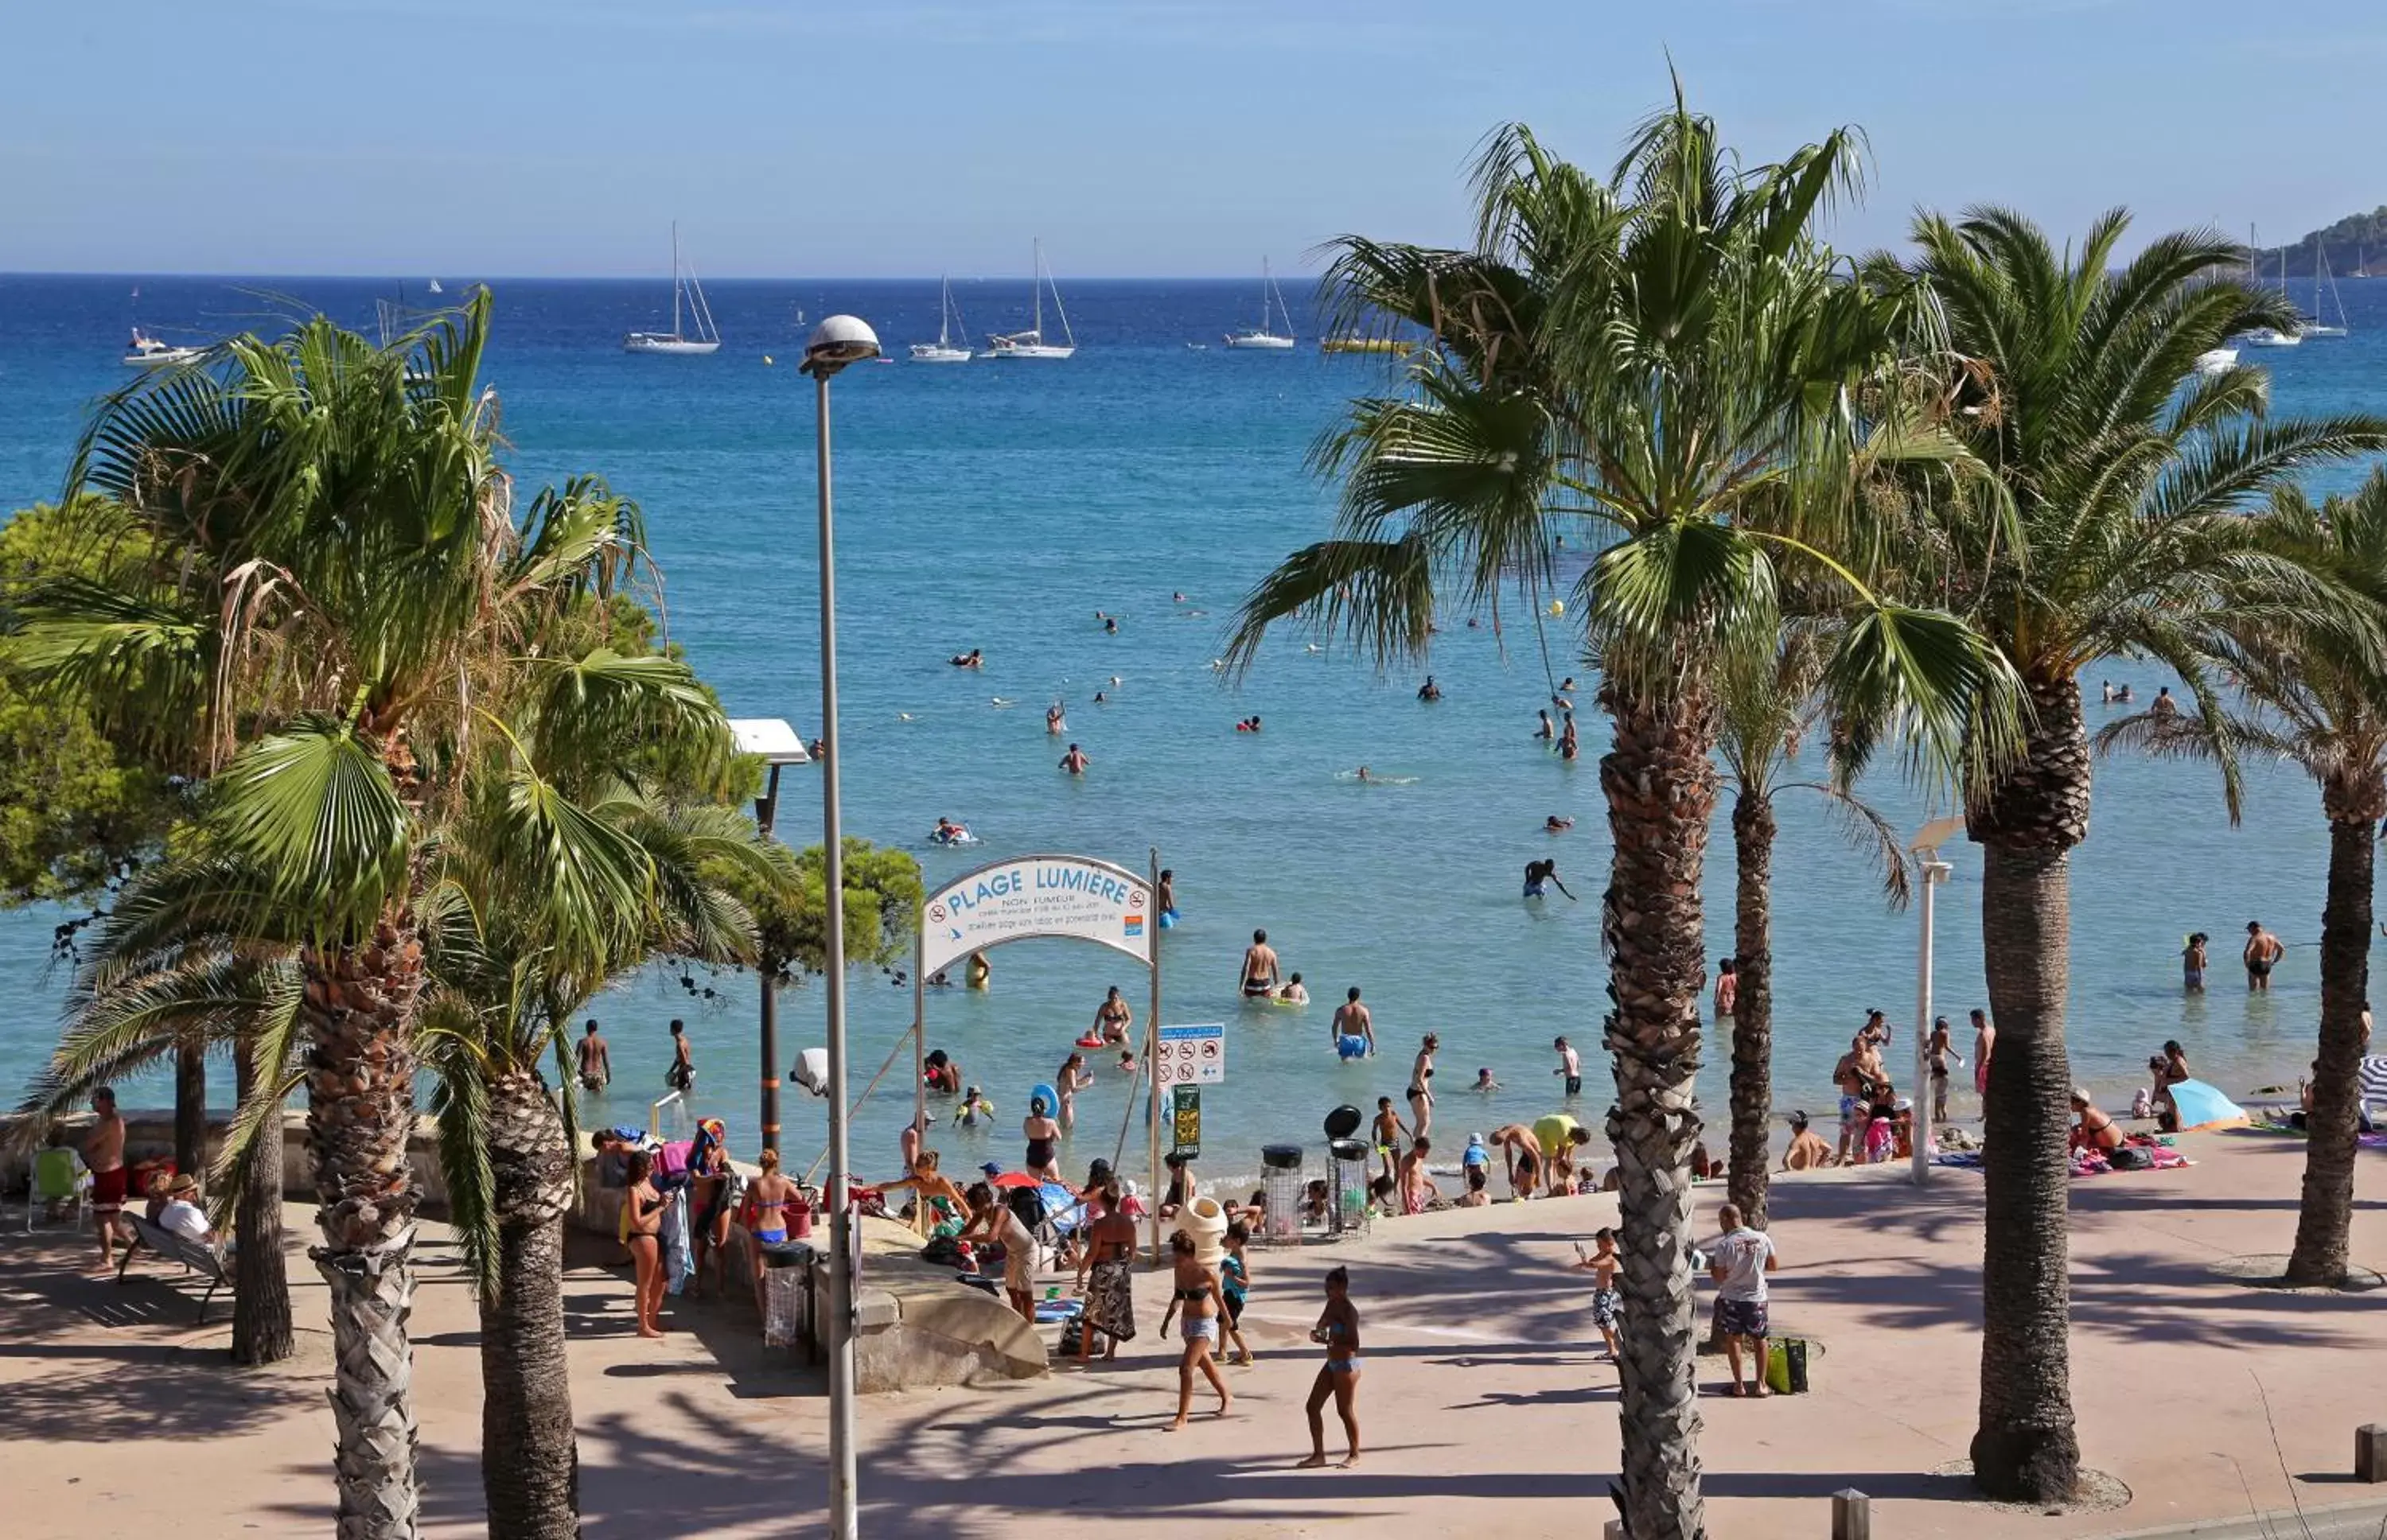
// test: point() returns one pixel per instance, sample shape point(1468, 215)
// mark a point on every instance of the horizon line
point(6, 274)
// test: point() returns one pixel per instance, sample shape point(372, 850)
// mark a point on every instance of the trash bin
point(1282, 1164)
point(1347, 1188)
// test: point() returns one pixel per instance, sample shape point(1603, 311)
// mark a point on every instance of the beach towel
point(2374, 1078)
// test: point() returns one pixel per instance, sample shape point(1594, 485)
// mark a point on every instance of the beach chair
point(59, 1177)
point(204, 1260)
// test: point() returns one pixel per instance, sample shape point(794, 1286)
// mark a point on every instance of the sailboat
point(948, 321)
point(2271, 336)
point(435, 288)
point(685, 287)
point(1271, 307)
point(1030, 344)
point(2324, 283)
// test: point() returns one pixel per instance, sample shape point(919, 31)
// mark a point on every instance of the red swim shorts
point(107, 1190)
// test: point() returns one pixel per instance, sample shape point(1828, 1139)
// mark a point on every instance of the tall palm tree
point(353, 582)
point(1769, 704)
point(1646, 354)
point(2311, 691)
point(522, 958)
point(2113, 524)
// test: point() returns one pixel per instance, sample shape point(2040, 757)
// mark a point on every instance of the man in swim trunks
point(1259, 968)
point(1570, 1066)
point(1074, 760)
point(1164, 901)
point(103, 1155)
point(1855, 1075)
point(1807, 1152)
point(1539, 874)
point(1428, 690)
point(1607, 1304)
point(1542, 728)
point(1387, 1132)
point(1515, 1141)
point(1353, 1031)
point(596, 1060)
point(2263, 954)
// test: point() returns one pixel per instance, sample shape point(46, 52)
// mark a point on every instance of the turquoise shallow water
point(1000, 505)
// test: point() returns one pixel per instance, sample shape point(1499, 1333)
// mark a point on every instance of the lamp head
point(838, 340)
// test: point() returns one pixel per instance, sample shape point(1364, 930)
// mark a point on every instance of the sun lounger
point(195, 1257)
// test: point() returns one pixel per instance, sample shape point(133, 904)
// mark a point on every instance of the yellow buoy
point(1558, 607)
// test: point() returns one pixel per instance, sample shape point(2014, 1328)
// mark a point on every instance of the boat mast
point(1036, 286)
point(675, 279)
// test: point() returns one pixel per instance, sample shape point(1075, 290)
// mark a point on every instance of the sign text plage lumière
point(1036, 895)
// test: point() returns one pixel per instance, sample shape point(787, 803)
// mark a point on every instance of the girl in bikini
point(1204, 1305)
point(1074, 1077)
point(643, 1215)
point(1338, 1327)
point(769, 1200)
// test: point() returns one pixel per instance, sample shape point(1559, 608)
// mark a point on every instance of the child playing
point(1388, 1131)
point(1607, 1305)
point(1234, 1278)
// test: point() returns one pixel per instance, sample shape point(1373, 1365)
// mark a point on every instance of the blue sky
point(1139, 137)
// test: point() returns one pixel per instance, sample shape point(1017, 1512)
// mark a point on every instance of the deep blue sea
point(1000, 505)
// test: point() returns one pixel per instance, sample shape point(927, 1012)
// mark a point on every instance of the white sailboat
point(948, 321)
point(685, 287)
point(1030, 344)
point(2271, 336)
point(2214, 360)
point(1271, 307)
point(2324, 283)
point(435, 288)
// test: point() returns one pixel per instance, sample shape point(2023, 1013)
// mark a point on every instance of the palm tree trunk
point(530, 1461)
point(2325, 1217)
point(261, 1280)
point(191, 1107)
point(1661, 788)
point(2026, 1449)
point(1752, 1015)
point(360, 999)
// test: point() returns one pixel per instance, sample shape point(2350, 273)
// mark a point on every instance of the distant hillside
point(2351, 241)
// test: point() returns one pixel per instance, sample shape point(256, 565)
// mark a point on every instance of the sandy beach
point(1481, 1403)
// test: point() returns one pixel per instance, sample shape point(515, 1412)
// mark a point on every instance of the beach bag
point(942, 1251)
point(1785, 1366)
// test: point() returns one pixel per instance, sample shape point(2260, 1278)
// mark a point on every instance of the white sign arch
point(1072, 896)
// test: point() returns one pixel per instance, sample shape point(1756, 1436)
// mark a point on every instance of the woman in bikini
point(938, 1195)
point(644, 1218)
point(770, 1198)
point(1043, 1137)
point(1113, 1018)
point(2095, 1130)
point(1420, 1091)
point(1074, 1077)
point(1338, 1327)
point(1200, 1296)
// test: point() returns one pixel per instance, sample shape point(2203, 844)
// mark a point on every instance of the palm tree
point(1769, 704)
point(2112, 524)
point(353, 586)
point(521, 956)
point(2311, 691)
point(1649, 355)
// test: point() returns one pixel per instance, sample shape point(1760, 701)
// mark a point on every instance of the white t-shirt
point(1744, 1254)
point(184, 1219)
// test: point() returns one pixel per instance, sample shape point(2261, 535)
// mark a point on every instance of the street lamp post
point(777, 746)
point(1934, 872)
point(836, 342)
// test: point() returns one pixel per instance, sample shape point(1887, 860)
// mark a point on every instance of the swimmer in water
point(1056, 721)
point(1363, 773)
point(1074, 760)
point(1000, 700)
point(1555, 825)
point(1101, 699)
point(1428, 690)
point(1110, 626)
point(1116, 681)
point(970, 659)
point(1484, 1081)
point(1567, 745)
point(1293, 992)
point(1538, 874)
point(1542, 728)
point(1178, 598)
